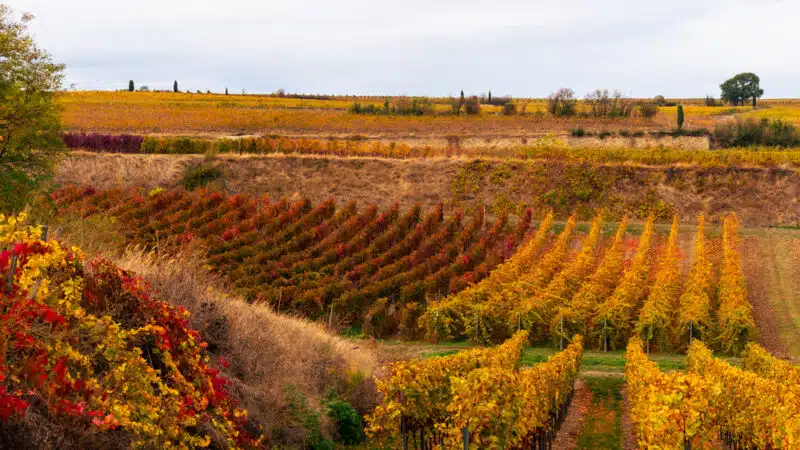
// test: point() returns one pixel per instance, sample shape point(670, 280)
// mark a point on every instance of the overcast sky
point(678, 48)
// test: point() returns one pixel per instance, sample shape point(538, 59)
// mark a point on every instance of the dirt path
point(754, 258)
point(627, 437)
point(567, 438)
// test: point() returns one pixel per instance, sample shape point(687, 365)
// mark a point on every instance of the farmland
point(402, 260)
point(517, 282)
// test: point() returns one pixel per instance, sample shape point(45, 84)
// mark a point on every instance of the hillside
point(761, 196)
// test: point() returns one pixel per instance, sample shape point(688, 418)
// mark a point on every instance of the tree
point(744, 86)
point(226, 90)
point(175, 87)
point(131, 86)
point(562, 102)
point(680, 117)
point(30, 131)
point(490, 98)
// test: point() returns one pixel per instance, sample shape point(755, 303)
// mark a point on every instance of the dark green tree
point(131, 86)
point(490, 98)
point(30, 129)
point(226, 91)
point(744, 86)
point(680, 117)
point(175, 87)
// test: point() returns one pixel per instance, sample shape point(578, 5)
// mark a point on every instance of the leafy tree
point(490, 98)
point(744, 86)
point(562, 102)
point(131, 86)
point(680, 117)
point(175, 86)
point(226, 91)
point(30, 131)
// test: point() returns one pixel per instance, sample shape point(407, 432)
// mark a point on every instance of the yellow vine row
point(420, 392)
point(503, 408)
point(613, 318)
point(750, 410)
point(442, 319)
point(654, 317)
point(736, 322)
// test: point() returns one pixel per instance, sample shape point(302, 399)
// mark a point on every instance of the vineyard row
point(377, 268)
point(480, 396)
point(714, 403)
point(601, 292)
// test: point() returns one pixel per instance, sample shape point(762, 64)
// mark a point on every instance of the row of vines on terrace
point(377, 268)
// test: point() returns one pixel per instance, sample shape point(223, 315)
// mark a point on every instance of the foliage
point(199, 176)
point(612, 321)
point(420, 391)
point(575, 316)
point(101, 354)
point(757, 359)
point(680, 117)
point(308, 418)
point(374, 267)
point(742, 87)
point(30, 130)
point(647, 110)
point(668, 410)
point(123, 143)
point(504, 408)
point(694, 311)
point(736, 324)
point(752, 411)
point(562, 102)
point(349, 426)
point(444, 319)
point(750, 132)
point(655, 316)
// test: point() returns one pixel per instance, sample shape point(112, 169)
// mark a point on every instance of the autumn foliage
point(89, 346)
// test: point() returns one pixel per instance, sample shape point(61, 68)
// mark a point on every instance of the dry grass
point(266, 351)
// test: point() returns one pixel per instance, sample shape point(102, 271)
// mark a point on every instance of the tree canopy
point(30, 130)
point(743, 87)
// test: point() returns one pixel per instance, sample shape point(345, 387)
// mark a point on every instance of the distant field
point(215, 114)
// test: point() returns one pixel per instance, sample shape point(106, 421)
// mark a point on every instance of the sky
point(526, 48)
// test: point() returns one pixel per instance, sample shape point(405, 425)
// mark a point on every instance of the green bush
point(349, 424)
point(199, 176)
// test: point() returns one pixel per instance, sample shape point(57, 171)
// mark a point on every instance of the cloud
point(434, 47)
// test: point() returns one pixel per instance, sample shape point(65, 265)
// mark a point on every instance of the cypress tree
point(680, 117)
point(462, 97)
point(226, 91)
point(175, 86)
point(131, 86)
point(490, 98)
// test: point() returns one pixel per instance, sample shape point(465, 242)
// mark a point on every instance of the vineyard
point(603, 293)
point(713, 402)
point(322, 261)
point(476, 399)
point(421, 273)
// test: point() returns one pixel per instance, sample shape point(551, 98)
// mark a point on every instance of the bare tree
point(562, 102)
